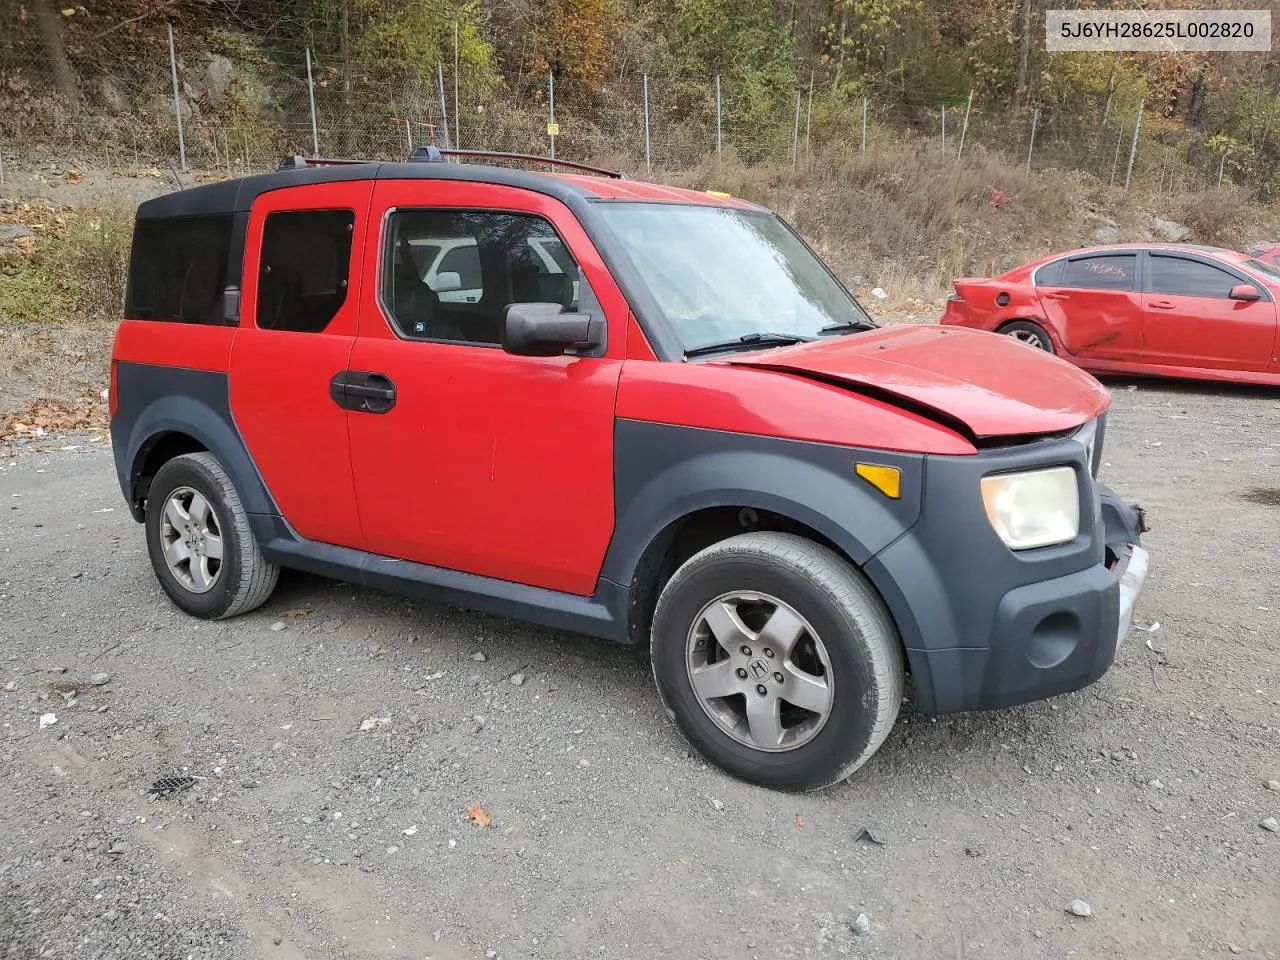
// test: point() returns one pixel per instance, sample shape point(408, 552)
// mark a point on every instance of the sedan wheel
point(1032, 334)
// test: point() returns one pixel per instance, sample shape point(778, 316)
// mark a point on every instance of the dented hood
point(992, 385)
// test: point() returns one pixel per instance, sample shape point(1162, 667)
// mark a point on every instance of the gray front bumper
point(1132, 567)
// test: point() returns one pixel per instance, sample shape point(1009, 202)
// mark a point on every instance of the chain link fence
point(179, 100)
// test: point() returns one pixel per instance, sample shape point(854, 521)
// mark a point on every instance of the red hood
point(994, 385)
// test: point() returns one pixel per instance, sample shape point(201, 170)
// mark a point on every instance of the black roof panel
point(237, 196)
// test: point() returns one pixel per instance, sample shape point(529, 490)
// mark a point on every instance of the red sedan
point(1174, 310)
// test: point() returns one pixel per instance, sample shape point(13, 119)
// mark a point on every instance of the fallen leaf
point(478, 815)
point(681, 860)
point(800, 822)
point(296, 612)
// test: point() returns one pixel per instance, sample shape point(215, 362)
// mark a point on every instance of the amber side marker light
point(888, 480)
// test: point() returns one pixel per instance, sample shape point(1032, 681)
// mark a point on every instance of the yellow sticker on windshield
point(718, 193)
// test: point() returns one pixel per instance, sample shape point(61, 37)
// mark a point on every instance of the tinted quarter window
point(178, 269)
point(1100, 273)
point(499, 259)
point(1188, 278)
point(306, 259)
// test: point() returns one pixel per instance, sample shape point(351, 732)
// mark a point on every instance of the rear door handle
point(363, 392)
point(1160, 305)
point(1056, 296)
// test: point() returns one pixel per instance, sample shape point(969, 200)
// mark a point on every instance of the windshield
point(1263, 268)
point(720, 274)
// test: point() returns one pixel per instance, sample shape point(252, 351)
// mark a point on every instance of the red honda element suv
point(643, 413)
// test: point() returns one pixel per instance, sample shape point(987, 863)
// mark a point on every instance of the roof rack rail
point(299, 163)
point(436, 155)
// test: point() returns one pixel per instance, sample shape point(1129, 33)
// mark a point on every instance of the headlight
point(1033, 509)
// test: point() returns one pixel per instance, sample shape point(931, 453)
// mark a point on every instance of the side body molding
point(159, 400)
point(665, 472)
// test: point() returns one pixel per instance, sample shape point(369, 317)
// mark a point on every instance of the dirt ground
point(339, 736)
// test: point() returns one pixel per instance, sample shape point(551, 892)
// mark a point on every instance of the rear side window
point(306, 261)
point(178, 269)
point(1114, 272)
point(1188, 278)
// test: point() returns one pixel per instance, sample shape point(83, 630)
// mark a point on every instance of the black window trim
point(353, 261)
point(1226, 268)
point(384, 259)
point(1139, 272)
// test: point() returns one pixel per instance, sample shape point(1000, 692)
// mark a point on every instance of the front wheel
point(777, 660)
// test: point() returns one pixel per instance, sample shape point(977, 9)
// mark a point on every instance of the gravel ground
point(338, 737)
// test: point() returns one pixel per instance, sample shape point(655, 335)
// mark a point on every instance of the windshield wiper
point(851, 326)
point(746, 341)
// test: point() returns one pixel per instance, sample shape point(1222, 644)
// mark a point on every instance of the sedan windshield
point(735, 277)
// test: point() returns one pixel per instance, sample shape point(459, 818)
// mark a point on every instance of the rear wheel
point(198, 537)
point(1032, 334)
point(777, 660)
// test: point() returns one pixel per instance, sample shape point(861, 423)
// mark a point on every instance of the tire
point(1032, 334)
point(203, 585)
point(848, 644)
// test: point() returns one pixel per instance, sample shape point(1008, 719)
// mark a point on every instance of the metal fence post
point(1031, 146)
point(1221, 163)
point(177, 102)
point(964, 127)
point(457, 114)
point(944, 128)
point(1115, 161)
point(808, 119)
point(795, 135)
point(444, 113)
point(552, 129)
point(719, 138)
point(864, 124)
point(1133, 147)
point(311, 96)
point(648, 160)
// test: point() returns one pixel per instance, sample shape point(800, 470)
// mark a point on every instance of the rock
point(12, 231)
point(584, 763)
point(113, 95)
point(215, 77)
point(873, 833)
point(373, 723)
point(479, 656)
point(111, 915)
point(1078, 908)
point(48, 720)
point(1155, 784)
point(1107, 233)
point(972, 851)
point(99, 679)
point(716, 804)
point(393, 849)
point(1171, 230)
point(277, 626)
point(1270, 824)
point(11, 686)
point(118, 848)
point(879, 294)
point(861, 925)
point(517, 680)
point(1271, 784)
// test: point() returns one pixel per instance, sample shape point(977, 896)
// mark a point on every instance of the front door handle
point(363, 392)
point(1160, 305)
point(1056, 296)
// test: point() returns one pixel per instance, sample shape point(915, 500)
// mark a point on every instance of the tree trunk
point(51, 32)
point(1024, 51)
point(1195, 104)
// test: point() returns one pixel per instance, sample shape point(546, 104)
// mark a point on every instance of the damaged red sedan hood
point(993, 385)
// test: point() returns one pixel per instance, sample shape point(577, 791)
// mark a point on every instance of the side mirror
point(447, 282)
point(1246, 292)
point(543, 330)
